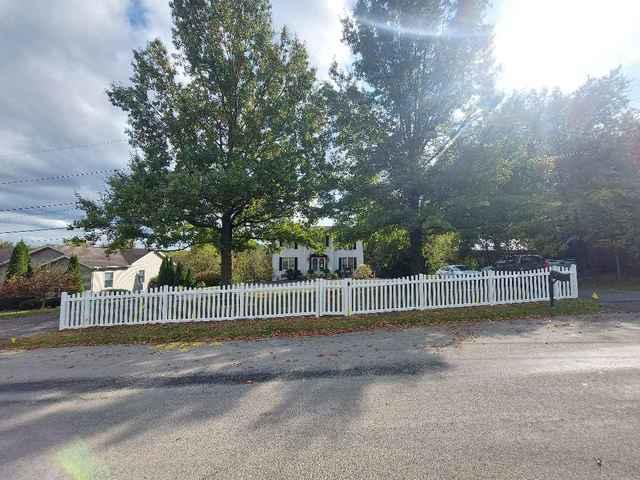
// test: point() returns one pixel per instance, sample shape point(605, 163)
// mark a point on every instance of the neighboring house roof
point(91, 257)
point(95, 257)
point(5, 255)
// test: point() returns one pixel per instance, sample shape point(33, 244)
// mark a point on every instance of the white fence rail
point(318, 297)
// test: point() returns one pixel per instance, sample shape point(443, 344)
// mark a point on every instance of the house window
point(347, 263)
point(287, 263)
point(108, 279)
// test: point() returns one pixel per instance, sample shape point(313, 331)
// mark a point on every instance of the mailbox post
point(555, 276)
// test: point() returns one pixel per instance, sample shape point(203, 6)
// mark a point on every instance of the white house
point(129, 269)
point(296, 256)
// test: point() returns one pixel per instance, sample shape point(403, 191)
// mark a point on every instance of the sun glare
point(545, 43)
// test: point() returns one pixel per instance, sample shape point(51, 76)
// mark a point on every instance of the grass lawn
point(28, 313)
point(254, 329)
point(608, 283)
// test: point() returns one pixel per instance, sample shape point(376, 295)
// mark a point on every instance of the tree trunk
point(226, 250)
point(416, 257)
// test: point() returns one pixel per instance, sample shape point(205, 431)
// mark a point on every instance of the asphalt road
point(519, 400)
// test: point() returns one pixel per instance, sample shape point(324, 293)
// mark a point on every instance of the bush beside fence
point(317, 297)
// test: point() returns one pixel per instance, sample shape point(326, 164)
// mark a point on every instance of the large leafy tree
point(423, 71)
point(596, 167)
point(550, 169)
point(496, 182)
point(228, 134)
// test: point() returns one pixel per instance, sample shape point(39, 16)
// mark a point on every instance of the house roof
point(91, 257)
point(5, 255)
point(96, 257)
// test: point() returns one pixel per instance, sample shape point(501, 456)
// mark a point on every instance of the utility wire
point(59, 177)
point(63, 149)
point(37, 207)
point(39, 230)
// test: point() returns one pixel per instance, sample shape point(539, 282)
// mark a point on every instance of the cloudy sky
point(58, 57)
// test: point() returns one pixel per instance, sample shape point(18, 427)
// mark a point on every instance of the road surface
point(510, 400)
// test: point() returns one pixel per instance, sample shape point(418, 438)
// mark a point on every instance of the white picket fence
point(317, 297)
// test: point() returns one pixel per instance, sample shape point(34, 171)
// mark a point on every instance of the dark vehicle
point(520, 263)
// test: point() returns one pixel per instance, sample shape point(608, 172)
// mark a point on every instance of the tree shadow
point(317, 379)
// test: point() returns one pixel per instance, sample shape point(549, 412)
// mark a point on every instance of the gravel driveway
point(508, 400)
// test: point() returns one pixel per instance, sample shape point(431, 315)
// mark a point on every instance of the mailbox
point(555, 276)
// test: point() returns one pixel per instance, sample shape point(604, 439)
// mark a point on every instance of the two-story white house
point(296, 256)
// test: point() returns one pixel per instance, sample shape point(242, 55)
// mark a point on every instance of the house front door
point(318, 264)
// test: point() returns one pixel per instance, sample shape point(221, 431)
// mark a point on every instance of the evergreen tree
point(188, 280)
point(179, 276)
point(167, 273)
point(20, 261)
point(75, 277)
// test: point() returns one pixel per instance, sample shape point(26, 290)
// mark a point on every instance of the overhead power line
point(63, 149)
point(59, 177)
point(39, 230)
point(37, 207)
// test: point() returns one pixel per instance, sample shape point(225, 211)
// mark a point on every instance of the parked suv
point(519, 263)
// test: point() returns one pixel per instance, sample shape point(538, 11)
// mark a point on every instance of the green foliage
point(20, 261)
point(208, 278)
point(167, 273)
point(441, 250)
point(363, 272)
point(252, 265)
point(230, 133)
point(386, 252)
point(410, 94)
point(172, 274)
point(199, 258)
point(75, 276)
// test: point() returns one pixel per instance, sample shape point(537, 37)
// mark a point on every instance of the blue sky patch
point(137, 14)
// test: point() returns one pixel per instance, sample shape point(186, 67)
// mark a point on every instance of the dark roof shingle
point(96, 257)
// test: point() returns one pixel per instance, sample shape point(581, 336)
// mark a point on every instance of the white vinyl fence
point(317, 297)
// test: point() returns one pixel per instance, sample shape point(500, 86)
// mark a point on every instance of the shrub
point(363, 272)
point(293, 275)
point(209, 278)
point(40, 288)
